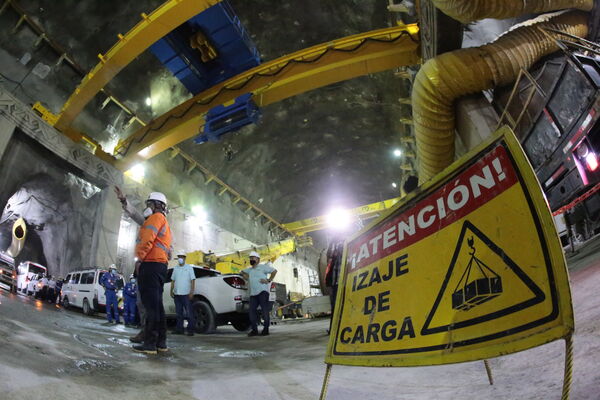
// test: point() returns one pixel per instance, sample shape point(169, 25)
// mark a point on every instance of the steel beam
point(276, 80)
point(319, 223)
point(149, 30)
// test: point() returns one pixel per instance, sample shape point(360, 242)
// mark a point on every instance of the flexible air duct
point(19, 232)
point(467, 11)
point(451, 75)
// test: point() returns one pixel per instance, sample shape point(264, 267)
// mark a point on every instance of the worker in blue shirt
point(109, 283)
point(129, 302)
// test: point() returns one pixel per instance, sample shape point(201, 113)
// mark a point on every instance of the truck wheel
point(65, 303)
point(241, 324)
point(205, 317)
point(87, 310)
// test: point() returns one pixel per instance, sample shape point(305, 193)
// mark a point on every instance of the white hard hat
point(112, 266)
point(254, 254)
point(158, 196)
point(182, 253)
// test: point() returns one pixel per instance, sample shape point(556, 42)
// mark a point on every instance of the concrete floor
point(47, 352)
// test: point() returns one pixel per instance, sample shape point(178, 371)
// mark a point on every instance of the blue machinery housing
point(224, 119)
point(209, 48)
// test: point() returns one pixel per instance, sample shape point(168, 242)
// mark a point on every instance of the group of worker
point(153, 251)
point(109, 282)
point(45, 288)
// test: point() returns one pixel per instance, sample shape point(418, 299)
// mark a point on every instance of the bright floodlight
point(148, 101)
point(397, 152)
point(137, 172)
point(200, 213)
point(338, 219)
point(394, 185)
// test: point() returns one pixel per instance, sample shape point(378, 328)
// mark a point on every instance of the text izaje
point(482, 181)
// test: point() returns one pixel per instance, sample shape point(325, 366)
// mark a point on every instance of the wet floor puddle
point(242, 354)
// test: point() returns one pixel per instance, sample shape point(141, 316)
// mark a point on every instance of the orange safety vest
point(154, 239)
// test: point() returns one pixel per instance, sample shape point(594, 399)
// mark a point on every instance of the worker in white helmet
point(259, 277)
point(138, 217)
point(183, 285)
point(152, 251)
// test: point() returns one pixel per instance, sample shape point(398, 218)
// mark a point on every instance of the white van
point(26, 271)
point(82, 289)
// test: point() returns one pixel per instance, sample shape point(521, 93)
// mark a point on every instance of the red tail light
point(235, 282)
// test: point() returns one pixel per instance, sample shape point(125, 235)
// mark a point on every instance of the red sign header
point(481, 182)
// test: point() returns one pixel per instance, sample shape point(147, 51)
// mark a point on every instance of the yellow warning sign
point(470, 267)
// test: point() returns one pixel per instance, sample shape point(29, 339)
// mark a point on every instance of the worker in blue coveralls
point(109, 283)
point(129, 302)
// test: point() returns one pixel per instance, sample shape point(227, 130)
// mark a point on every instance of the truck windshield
point(36, 269)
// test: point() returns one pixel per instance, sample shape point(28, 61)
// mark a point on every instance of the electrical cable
point(19, 86)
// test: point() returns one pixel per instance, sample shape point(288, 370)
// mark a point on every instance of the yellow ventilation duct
point(451, 75)
point(466, 11)
point(19, 232)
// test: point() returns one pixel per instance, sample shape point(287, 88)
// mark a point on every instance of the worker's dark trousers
point(141, 309)
point(262, 300)
point(332, 298)
point(183, 308)
point(151, 279)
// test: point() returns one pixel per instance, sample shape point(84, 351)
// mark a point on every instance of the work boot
point(162, 347)
point(190, 333)
point(253, 333)
point(145, 349)
point(265, 332)
point(139, 338)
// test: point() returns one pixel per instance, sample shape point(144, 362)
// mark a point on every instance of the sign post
point(467, 268)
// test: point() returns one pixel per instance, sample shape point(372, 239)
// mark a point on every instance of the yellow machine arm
point(236, 261)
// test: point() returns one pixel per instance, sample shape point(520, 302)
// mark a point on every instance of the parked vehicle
point(559, 130)
point(316, 306)
point(218, 299)
point(82, 289)
point(8, 274)
point(25, 272)
point(34, 285)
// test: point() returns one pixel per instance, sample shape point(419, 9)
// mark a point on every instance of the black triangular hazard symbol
point(538, 294)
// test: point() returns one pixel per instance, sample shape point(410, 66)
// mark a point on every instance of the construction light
point(137, 172)
point(338, 219)
point(592, 161)
point(397, 152)
point(200, 213)
point(394, 185)
point(148, 101)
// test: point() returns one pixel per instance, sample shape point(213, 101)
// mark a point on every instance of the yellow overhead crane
point(236, 261)
point(287, 76)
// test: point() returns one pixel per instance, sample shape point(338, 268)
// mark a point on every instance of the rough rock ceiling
point(329, 146)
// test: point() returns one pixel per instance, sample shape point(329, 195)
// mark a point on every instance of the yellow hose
point(472, 10)
point(451, 75)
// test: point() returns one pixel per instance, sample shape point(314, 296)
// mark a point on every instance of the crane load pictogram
point(478, 284)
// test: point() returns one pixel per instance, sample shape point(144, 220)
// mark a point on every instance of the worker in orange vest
point(152, 251)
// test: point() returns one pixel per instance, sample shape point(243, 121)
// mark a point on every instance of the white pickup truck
point(218, 300)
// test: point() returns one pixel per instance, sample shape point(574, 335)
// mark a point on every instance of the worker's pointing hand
point(120, 194)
